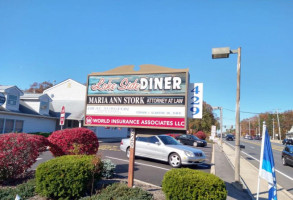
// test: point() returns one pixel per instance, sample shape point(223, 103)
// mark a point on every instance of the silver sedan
point(164, 148)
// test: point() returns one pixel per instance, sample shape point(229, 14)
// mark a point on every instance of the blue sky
point(55, 40)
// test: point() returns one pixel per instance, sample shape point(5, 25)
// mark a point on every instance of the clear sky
point(56, 40)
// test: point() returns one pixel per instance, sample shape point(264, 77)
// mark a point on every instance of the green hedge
point(41, 133)
point(120, 191)
point(185, 183)
point(67, 177)
point(25, 191)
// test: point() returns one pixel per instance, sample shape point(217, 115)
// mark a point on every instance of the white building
point(72, 95)
point(30, 113)
point(25, 113)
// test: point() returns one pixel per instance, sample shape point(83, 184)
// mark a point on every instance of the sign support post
point(131, 157)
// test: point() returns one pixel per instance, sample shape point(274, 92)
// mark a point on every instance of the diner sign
point(153, 97)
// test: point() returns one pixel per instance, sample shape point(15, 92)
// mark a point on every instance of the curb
point(213, 168)
point(152, 185)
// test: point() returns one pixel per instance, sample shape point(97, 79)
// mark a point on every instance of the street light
point(221, 121)
point(224, 53)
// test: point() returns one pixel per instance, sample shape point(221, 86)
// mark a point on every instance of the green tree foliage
point(204, 124)
point(39, 87)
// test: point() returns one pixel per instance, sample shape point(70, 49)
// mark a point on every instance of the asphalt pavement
point(249, 175)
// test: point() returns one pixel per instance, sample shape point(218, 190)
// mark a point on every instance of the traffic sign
point(62, 116)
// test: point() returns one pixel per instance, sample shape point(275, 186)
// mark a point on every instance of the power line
point(241, 111)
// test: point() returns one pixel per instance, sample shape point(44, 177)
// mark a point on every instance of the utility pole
point(259, 125)
point(249, 127)
point(221, 126)
point(273, 128)
point(279, 125)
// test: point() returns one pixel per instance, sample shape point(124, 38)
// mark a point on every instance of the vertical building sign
point(195, 100)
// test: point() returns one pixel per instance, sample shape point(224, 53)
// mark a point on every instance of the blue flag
point(267, 165)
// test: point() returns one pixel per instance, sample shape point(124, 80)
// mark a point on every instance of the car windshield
point(290, 148)
point(194, 137)
point(167, 140)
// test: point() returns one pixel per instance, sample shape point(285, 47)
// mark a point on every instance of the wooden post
point(131, 158)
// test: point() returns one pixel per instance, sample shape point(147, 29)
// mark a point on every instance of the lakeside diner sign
point(153, 97)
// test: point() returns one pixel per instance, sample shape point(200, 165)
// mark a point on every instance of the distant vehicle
point(287, 141)
point(164, 148)
point(246, 136)
point(230, 137)
point(249, 137)
point(191, 140)
point(257, 138)
point(287, 155)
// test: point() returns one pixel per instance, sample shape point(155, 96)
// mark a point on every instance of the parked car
point(174, 135)
point(230, 137)
point(164, 148)
point(287, 141)
point(287, 155)
point(191, 140)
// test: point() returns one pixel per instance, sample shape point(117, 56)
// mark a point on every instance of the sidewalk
point(248, 173)
point(224, 170)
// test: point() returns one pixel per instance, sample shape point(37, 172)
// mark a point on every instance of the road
point(146, 170)
point(284, 174)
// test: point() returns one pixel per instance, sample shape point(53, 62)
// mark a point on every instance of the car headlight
point(189, 153)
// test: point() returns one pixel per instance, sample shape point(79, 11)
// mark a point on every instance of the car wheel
point(284, 161)
point(128, 152)
point(195, 144)
point(175, 160)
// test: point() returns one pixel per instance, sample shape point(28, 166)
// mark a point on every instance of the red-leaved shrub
point(18, 152)
point(201, 135)
point(73, 142)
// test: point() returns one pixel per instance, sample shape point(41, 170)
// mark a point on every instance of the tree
point(270, 118)
point(39, 87)
point(205, 123)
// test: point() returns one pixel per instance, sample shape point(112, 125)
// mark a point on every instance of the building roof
point(3, 88)
point(74, 109)
point(35, 96)
point(57, 85)
point(24, 109)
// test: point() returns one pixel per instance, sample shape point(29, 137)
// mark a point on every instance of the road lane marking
point(275, 147)
point(258, 161)
point(138, 163)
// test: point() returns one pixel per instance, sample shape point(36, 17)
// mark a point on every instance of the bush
point(18, 152)
point(25, 191)
point(122, 192)
point(67, 177)
point(201, 135)
point(108, 168)
point(187, 184)
point(73, 142)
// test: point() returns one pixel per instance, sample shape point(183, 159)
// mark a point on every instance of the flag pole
point(261, 158)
